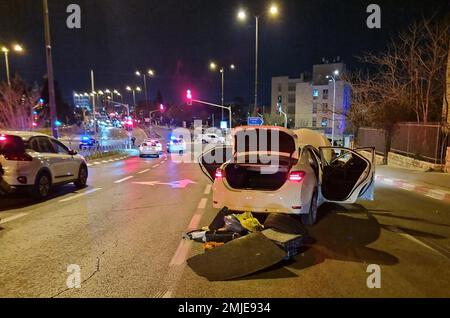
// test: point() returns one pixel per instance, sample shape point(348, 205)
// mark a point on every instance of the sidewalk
point(432, 184)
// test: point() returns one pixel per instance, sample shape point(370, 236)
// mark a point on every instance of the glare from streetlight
point(138, 89)
point(151, 72)
point(336, 72)
point(100, 92)
point(273, 10)
point(232, 66)
point(212, 66)
point(17, 48)
point(242, 15)
point(128, 88)
point(137, 73)
point(107, 91)
point(5, 49)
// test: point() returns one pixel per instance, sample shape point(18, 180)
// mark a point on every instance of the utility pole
point(51, 83)
point(94, 98)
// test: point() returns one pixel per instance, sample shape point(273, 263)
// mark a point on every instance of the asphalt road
point(124, 231)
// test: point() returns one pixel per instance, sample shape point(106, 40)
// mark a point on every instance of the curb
point(103, 161)
point(429, 192)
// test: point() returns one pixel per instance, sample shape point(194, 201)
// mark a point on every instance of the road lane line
point(181, 253)
point(194, 222)
point(80, 195)
point(208, 189)
point(144, 171)
point(12, 218)
point(413, 239)
point(124, 179)
point(202, 204)
point(155, 166)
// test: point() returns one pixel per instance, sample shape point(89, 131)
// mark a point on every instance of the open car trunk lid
point(263, 140)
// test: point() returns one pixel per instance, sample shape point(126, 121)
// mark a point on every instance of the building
point(283, 88)
point(314, 107)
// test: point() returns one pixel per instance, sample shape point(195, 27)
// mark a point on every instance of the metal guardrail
point(91, 151)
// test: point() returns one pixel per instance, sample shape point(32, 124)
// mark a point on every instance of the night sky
point(178, 38)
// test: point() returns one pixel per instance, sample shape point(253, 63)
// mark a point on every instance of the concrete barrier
point(397, 160)
point(447, 161)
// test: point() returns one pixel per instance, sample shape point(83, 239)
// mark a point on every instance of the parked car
point(149, 149)
point(88, 142)
point(176, 145)
point(38, 162)
point(157, 142)
point(210, 139)
point(305, 172)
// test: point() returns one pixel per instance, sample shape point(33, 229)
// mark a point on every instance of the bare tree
point(16, 105)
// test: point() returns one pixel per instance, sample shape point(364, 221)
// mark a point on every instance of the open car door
point(346, 174)
point(213, 159)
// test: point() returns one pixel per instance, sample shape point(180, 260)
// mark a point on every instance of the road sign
point(255, 121)
point(223, 124)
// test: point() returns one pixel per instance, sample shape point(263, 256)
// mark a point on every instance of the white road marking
point(104, 161)
point(97, 163)
point(413, 239)
point(124, 179)
point(194, 222)
point(89, 164)
point(156, 166)
point(144, 171)
point(208, 189)
point(80, 195)
point(388, 181)
point(12, 218)
point(181, 253)
point(202, 204)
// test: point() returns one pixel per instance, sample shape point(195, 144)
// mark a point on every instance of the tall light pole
point(213, 66)
point(150, 73)
point(133, 90)
point(242, 16)
point(50, 78)
point(5, 50)
point(333, 79)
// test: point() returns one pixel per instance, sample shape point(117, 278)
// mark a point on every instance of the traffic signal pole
point(50, 78)
point(215, 105)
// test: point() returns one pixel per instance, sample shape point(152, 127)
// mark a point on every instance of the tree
point(16, 105)
point(406, 82)
point(64, 111)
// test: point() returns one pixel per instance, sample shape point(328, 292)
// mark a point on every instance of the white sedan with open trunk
point(277, 170)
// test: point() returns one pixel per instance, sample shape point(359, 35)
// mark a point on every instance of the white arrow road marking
point(124, 179)
point(181, 184)
point(80, 195)
point(12, 218)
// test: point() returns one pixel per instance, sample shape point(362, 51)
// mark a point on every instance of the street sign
point(255, 121)
point(223, 124)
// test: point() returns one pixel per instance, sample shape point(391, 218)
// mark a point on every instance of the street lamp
point(213, 67)
point(144, 75)
point(242, 16)
point(133, 90)
point(333, 79)
point(16, 48)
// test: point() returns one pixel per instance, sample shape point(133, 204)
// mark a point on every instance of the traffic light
point(189, 97)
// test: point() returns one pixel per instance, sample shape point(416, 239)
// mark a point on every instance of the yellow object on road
point(249, 222)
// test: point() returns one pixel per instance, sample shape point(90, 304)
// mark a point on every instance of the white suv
point(38, 162)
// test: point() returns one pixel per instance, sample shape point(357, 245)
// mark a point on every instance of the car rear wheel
point(311, 217)
point(82, 177)
point(42, 186)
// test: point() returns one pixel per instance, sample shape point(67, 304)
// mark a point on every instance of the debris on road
point(237, 245)
point(240, 257)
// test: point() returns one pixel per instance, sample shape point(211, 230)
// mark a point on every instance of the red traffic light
point(189, 96)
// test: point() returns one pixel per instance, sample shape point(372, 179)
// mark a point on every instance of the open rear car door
point(213, 159)
point(347, 175)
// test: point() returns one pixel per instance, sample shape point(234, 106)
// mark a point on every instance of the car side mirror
point(72, 152)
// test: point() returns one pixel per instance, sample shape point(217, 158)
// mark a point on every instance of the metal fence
point(99, 150)
point(421, 141)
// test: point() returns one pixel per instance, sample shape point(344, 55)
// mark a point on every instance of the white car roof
point(25, 135)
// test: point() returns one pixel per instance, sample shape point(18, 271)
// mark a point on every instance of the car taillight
point(297, 176)
point(18, 157)
point(220, 173)
point(2, 138)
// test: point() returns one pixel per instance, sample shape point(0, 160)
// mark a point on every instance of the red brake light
point(297, 176)
point(2, 138)
point(220, 173)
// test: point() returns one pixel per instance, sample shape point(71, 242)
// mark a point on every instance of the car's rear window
point(11, 144)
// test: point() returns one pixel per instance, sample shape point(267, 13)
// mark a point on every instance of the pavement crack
point(97, 269)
